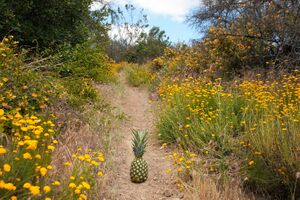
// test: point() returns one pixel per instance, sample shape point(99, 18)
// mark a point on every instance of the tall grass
point(137, 75)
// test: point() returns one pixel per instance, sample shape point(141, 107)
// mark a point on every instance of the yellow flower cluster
point(198, 98)
point(183, 162)
point(173, 59)
point(25, 157)
point(28, 136)
point(258, 121)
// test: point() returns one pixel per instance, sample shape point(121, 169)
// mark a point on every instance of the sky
point(169, 15)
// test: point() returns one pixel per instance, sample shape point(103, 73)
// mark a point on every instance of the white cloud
point(96, 5)
point(126, 33)
point(176, 9)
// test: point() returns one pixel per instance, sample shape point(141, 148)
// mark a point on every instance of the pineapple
point(139, 167)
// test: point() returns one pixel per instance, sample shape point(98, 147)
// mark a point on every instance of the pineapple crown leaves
point(139, 142)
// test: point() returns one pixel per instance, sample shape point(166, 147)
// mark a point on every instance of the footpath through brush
point(134, 102)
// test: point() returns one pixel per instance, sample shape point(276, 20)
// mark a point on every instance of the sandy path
point(135, 104)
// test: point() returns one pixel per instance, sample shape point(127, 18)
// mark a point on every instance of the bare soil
point(134, 103)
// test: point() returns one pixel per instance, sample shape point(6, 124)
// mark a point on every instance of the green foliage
point(80, 92)
point(151, 45)
point(132, 43)
point(137, 75)
point(24, 88)
point(147, 47)
point(45, 24)
point(86, 61)
point(139, 142)
point(130, 24)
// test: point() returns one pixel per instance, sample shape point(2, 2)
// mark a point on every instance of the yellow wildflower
point(100, 173)
point(72, 185)
point(27, 185)
point(13, 198)
point(6, 167)
point(27, 156)
point(67, 163)
point(86, 185)
point(83, 197)
point(2, 184)
point(251, 162)
point(77, 191)
point(94, 163)
point(101, 159)
point(32, 144)
point(49, 167)
point(18, 115)
point(23, 128)
point(47, 189)
point(56, 183)
point(9, 186)
point(2, 150)
point(34, 190)
point(50, 147)
point(43, 171)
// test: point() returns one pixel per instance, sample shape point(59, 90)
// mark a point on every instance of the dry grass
point(89, 131)
point(205, 188)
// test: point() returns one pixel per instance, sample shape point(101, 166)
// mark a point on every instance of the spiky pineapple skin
point(138, 170)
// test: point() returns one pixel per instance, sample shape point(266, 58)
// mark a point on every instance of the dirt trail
point(135, 104)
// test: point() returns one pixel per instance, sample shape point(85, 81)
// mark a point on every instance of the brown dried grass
point(88, 130)
point(203, 187)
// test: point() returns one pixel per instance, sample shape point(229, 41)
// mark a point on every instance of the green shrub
point(79, 92)
point(86, 61)
point(138, 75)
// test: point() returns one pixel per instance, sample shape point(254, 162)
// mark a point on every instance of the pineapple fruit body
point(138, 170)
point(139, 167)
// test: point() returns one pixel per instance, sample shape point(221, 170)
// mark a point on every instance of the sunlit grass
point(256, 122)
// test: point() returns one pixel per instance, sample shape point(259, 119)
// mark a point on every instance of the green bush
point(79, 92)
point(51, 23)
point(86, 61)
point(138, 75)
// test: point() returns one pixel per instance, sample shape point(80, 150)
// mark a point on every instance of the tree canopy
point(271, 28)
point(133, 41)
point(48, 22)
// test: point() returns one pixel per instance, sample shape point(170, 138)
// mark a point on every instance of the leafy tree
point(128, 25)
point(131, 41)
point(151, 45)
point(267, 31)
point(45, 23)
